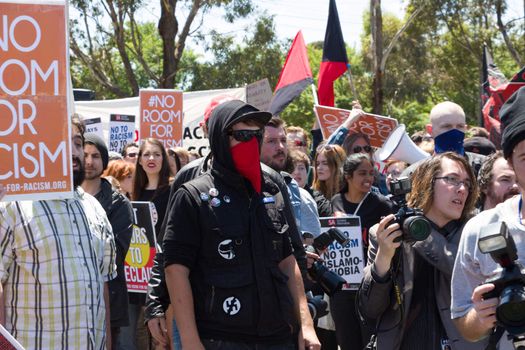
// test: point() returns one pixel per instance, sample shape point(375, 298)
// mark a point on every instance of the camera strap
point(494, 338)
point(360, 203)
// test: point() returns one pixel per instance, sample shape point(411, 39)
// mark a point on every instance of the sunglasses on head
point(246, 135)
point(358, 149)
point(299, 143)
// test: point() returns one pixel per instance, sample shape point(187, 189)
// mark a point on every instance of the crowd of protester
point(413, 295)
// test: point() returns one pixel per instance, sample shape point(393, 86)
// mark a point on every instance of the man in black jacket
point(120, 215)
point(231, 275)
point(157, 299)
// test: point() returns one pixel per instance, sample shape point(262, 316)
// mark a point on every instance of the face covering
point(247, 162)
point(451, 140)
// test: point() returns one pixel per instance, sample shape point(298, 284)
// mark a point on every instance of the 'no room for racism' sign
point(34, 119)
point(161, 116)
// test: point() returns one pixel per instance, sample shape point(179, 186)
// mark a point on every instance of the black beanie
point(512, 116)
point(95, 140)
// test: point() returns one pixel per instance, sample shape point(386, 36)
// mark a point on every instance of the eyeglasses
point(246, 135)
point(131, 155)
point(454, 181)
point(358, 149)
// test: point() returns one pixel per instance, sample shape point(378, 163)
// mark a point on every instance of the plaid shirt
point(56, 256)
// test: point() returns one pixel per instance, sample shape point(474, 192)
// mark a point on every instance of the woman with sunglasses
point(328, 179)
point(356, 198)
point(151, 183)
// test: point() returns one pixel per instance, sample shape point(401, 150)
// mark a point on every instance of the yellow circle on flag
point(139, 248)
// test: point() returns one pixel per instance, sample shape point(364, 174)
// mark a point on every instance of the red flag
point(497, 98)
point(294, 78)
point(335, 61)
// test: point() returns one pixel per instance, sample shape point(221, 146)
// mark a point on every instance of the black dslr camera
point(328, 280)
point(510, 282)
point(316, 305)
point(414, 225)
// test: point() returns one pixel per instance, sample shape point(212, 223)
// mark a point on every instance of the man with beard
point(497, 181)
point(56, 257)
point(251, 297)
point(274, 153)
point(120, 214)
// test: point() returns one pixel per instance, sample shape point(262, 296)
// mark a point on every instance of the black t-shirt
point(374, 207)
point(160, 200)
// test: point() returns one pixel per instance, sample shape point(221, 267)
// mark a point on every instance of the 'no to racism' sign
point(34, 118)
point(161, 116)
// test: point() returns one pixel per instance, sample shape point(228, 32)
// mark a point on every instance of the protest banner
point(259, 94)
point(35, 143)
point(121, 131)
point(346, 261)
point(376, 127)
point(142, 249)
point(161, 116)
point(94, 126)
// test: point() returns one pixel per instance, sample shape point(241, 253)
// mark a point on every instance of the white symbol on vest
point(231, 306)
point(225, 249)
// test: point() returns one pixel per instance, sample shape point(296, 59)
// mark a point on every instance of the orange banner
point(34, 125)
point(161, 116)
point(376, 127)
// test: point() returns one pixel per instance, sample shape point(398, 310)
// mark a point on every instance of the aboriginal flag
point(294, 78)
point(335, 61)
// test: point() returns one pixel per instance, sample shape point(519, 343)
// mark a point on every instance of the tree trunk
point(376, 25)
point(168, 28)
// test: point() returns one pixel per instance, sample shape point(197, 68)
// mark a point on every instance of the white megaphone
point(399, 146)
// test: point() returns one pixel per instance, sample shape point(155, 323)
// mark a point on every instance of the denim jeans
point(135, 336)
point(177, 344)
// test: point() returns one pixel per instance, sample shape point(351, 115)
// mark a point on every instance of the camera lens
point(511, 309)
point(417, 227)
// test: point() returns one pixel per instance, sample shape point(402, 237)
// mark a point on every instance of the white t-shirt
point(472, 267)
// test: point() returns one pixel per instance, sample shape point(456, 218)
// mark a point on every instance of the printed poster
point(346, 261)
point(139, 259)
point(94, 126)
point(35, 142)
point(121, 131)
point(161, 116)
point(376, 127)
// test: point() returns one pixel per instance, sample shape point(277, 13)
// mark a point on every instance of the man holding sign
point(56, 257)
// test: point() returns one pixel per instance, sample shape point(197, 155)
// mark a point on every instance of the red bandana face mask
point(247, 162)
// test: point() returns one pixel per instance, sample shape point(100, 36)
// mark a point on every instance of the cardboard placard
point(161, 116)
point(35, 142)
point(121, 131)
point(376, 127)
point(346, 261)
point(142, 250)
point(259, 94)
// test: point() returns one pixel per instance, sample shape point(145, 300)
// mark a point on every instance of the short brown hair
point(485, 174)
point(296, 157)
point(277, 122)
point(423, 179)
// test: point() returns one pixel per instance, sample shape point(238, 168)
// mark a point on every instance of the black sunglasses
point(246, 135)
point(358, 149)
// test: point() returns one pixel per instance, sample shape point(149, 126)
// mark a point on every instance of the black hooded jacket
point(232, 239)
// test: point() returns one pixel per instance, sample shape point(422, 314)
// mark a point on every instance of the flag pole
point(314, 94)
point(351, 82)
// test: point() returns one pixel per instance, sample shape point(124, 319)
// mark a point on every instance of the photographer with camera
point(405, 293)
point(475, 312)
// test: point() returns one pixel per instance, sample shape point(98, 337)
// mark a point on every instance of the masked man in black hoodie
point(232, 278)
